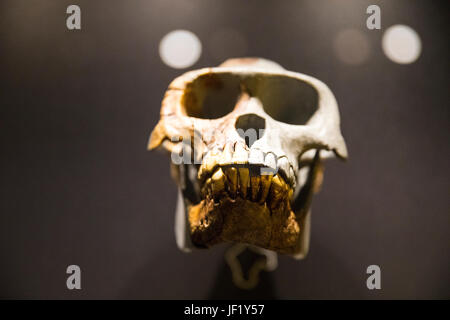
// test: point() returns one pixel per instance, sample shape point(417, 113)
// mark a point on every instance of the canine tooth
point(270, 164)
point(256, 157)
point(212, 161)
point(277, 191)
point(266, 181)
point(208, 163)
point(218, 181)
point(243, 181)
point(240, 155)
point(226, 155)
point(255, 181)
point(232, 176)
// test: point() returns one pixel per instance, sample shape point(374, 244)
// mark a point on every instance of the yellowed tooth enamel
point(243, 181)
point(277, 184)
point(232, 176)
point(255, 182)
point(266, 181)
point(277, 191)
point(240, 155)
point(218, 181)
point(211, 162)
point(290, 194)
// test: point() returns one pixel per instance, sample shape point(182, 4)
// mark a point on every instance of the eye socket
point(211, 96)
point(288, 100)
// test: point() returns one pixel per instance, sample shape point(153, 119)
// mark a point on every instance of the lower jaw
point(245, 221)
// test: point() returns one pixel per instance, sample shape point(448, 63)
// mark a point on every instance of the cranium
point(247, 139)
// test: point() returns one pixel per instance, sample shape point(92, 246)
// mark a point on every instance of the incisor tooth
point(240, 155)
point(256, 157)
point(232, 176)
point(255, 181)
point(218, 181)
point(243, 181)
point(266, 181)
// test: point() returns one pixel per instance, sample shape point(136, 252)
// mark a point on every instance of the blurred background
point(79, 187)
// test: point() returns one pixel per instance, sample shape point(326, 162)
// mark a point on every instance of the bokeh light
point(180, 49)
point(401, 44)
point(351, 47)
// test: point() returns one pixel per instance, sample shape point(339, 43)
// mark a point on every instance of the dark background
point(79, 187)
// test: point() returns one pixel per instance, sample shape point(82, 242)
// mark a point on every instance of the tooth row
point(239, 155)
point(241, 182)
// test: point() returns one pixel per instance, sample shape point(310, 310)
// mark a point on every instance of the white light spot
point(351, 46)
point(401, 44)
point(180, 49)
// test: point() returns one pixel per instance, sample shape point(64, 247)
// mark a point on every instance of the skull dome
point(246, 142)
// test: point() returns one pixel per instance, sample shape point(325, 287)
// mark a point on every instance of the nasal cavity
point(250, 127)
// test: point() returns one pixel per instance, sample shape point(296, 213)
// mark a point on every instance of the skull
point(247, 140)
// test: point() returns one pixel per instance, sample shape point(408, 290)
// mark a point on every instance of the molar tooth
point(256, 157)
point(218, 181)
point(255, 181)
point(266, 181)
point(240, 155)
point(232, 176)
point(243, 181)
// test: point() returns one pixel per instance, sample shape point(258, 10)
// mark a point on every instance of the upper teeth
point(242, 160)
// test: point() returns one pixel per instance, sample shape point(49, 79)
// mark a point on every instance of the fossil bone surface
point(247, 140)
